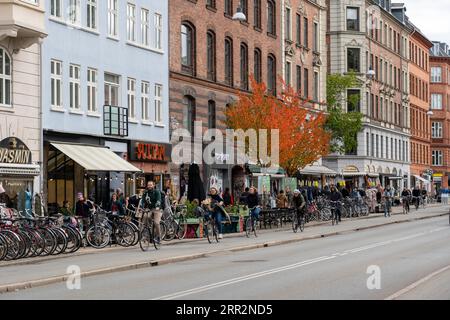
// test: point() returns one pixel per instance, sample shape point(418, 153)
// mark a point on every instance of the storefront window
point(60, 181)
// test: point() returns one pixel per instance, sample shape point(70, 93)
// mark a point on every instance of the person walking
point(152, 202)
point(388, 195)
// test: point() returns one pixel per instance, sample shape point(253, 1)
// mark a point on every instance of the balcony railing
point(115, 121)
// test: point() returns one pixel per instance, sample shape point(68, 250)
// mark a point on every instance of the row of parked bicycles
point(28, 235)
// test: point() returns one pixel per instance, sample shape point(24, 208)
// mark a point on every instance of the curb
point(153, 263)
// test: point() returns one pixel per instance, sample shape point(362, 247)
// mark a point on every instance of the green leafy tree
point(342, 125)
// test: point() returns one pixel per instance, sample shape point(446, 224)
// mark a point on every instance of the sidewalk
point(92, 262)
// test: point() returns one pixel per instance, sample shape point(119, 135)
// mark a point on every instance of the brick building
point(419, 84)
point(211, 59)
point(440, 120)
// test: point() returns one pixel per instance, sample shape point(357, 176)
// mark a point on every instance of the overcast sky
point(432, 17)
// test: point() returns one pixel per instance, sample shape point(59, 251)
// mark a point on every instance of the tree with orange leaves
point(302, 137)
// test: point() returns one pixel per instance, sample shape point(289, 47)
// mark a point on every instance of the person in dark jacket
point(243, 197)
point(345, 192)
point(115, 205)
point(152, 201)
point(253, 203)
point(336, 196)
point(299, 204)
point(215, 201)
point(227, 200)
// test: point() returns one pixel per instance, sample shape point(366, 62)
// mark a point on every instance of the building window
point(91, 16)
point(298, 22)
point(306, 83)
point(211, 55)
point(244, 7)
point(436, 158)
point(257, 13)
point(299, 78)
point(92, 90)
point(229, 61)
point(305, 32)
point(131, 23)
point(257, 69)
point(436, 101)
point(288, 73)
point(55, 8)
point(187, 48)
point(211, 114)
point(211, 3)
point(145, 100)
point(353, 59)
point(316, 86)
point(271, 74)
point(5, 78)
point(271, 18)
point(244, 66)
point(112, 86)
point(56, 84)
point(158, 20)
point(288, 24)
point(436, 130)
point(158, 103)
point(189, 114)
point(74, 11)
point(112, 18)
point(74, 86)
point(131, 98)
point(436, 74)
point(229, 7)
point(353, 100)
point(352, 19)
point(316, 37)
point(144, 27)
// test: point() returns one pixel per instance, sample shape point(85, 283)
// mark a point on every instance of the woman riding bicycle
point(406, 195)
point(215, 201)
point(253, 203)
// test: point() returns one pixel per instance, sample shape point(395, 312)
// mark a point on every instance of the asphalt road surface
point(401, 261)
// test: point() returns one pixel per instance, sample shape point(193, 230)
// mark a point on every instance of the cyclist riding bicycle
point(299, 203)
point(152, 202)
point(416, 196)
point(253, 204)
point(406, 195)
point(336, 197)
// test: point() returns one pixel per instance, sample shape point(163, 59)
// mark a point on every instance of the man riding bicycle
point(406, 195)
point(299, 203)
point(336, 197)
point(152, 202)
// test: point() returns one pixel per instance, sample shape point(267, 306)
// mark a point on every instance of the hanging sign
point(14, 151)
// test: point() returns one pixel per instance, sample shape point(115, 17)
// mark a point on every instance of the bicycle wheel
point(181, 228)
point(136, 233)
point(3, 247)
point(216, 232)
point(156, 242)
point(255, 227)
point(171, 229)
point(25, 247)
point(209, 231)
point(49, 241)
point(13, 244)
point(74, 239)
point(98, 236)
point(333, 217)
point(301, 224)
point(62, 241)
point(145, 238)
point(124, 234)
point(248, 227)
point(294, 223)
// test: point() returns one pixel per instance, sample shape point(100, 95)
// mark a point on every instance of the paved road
point(329, 268)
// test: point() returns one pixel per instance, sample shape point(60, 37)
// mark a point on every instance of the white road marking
point(416, 284)
point(288, 267)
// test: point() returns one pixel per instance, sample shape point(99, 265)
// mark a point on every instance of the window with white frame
point(145, 100)
point(131, 22)
point(288, 75)
point(288, 23)
point(56, 84)
point(158, 103)
point(436, 158)
point(112, 90)
point(436, 74)
point(144, 27)
point(436, 101)
point(92, 90)
point(131, 94)
point(5, 79)
point(158, 31)
point(436, 130)
point(112, 18)
point(55, 8)
point(91, 15)
point(74, 86)
point(74, 12)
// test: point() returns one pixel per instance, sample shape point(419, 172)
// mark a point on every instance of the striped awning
point(95, 158)
point(10, 169)
point(318, 170)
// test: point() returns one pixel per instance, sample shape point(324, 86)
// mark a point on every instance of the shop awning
point(354, 174)
point(93, 158)
point(318, 170)
point(421, 179)
point(256, 170)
